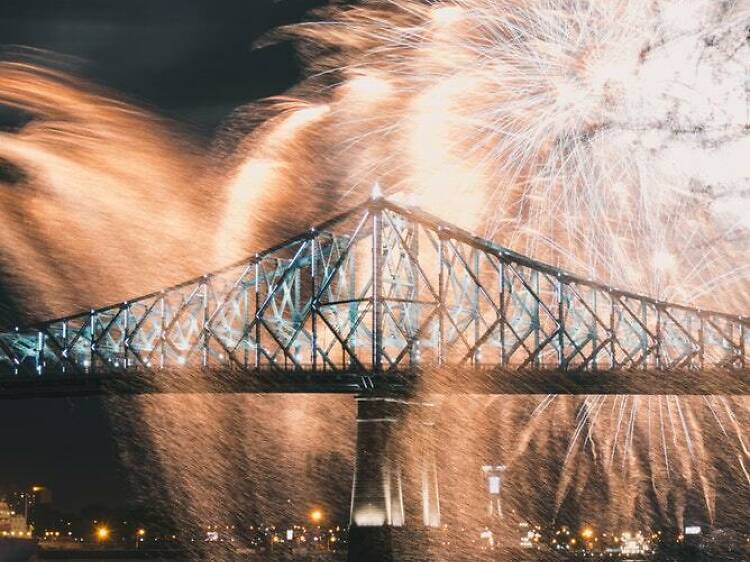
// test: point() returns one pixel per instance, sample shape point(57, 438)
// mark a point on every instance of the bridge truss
point(380, 292)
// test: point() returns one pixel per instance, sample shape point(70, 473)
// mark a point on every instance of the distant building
point(26, 503)
point(12, 523)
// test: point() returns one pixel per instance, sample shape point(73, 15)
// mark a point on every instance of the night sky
point(190, 60)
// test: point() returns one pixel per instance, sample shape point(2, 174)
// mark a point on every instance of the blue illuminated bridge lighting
point(383, 298)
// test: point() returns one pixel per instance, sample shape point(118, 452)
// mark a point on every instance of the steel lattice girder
point(375, 291)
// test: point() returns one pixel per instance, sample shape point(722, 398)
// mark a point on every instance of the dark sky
point(191, 60)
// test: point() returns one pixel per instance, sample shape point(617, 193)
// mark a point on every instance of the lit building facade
point(11, 523)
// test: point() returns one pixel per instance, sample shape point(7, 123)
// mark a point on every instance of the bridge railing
point(381, 288)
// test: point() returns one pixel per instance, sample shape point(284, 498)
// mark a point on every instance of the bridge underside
point(389, 299)
point(440, 381)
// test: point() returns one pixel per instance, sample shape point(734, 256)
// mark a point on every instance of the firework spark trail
point(670, 417)
point(543, 405)
point(585, 127)
point(663, 437)
point(631, 429)
point(582, 417)
point(709, 400)
point(590, 432)
point(622, 401)
point(626, 427)
point(744, 470)
point(735, 424)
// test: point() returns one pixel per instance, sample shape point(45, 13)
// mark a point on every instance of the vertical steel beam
point(245, 319)
point(561, 323)
point(659, 336)
point(204, 321)
point(92, 323)
point(296, 289)
point(535, 318)
point(414, 352)
point(503, 354)
point(442, 308)
point(257, 312)
point(66, 349)
point(595, 331)
point(313, 302)
point(126, 336)
point(612, 330)
point(701, 342)
point(475, 306)
point(163, 331)
point(644, 334)
point(377, 289)
point(39, 352)
point(350, 265)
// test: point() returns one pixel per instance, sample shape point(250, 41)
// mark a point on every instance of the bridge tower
point(395, 491)
point(494, 476)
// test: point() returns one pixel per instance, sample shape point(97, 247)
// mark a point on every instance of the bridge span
point(383, 298)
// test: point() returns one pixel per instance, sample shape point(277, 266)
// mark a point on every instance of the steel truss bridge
point(383, 297)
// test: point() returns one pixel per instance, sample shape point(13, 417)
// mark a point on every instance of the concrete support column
point(395, 450)
point(377, 494)
point(429, 478)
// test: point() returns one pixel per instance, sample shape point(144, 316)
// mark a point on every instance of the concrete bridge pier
point(395, 495)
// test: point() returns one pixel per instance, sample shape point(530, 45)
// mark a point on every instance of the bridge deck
point(444, 381)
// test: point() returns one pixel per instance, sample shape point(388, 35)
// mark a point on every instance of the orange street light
point(102, 533)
